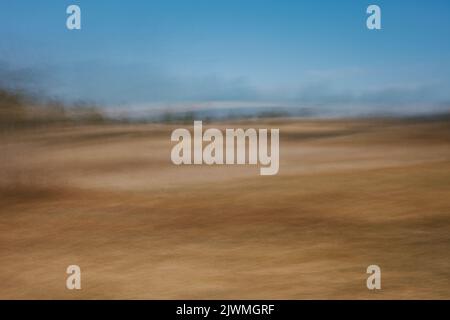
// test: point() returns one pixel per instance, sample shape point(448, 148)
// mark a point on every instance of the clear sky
point(230, 52)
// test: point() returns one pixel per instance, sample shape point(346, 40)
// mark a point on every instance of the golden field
point(349, 193)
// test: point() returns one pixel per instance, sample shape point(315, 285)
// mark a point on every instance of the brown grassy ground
point(107, 198)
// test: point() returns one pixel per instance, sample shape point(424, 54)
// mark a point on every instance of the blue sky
point(231, 53)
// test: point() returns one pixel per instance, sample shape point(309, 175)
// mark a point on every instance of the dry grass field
point(349, 193)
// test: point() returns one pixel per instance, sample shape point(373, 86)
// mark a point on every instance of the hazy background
point(184, 55)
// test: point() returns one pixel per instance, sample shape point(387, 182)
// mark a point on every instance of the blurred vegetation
point(19, 109)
